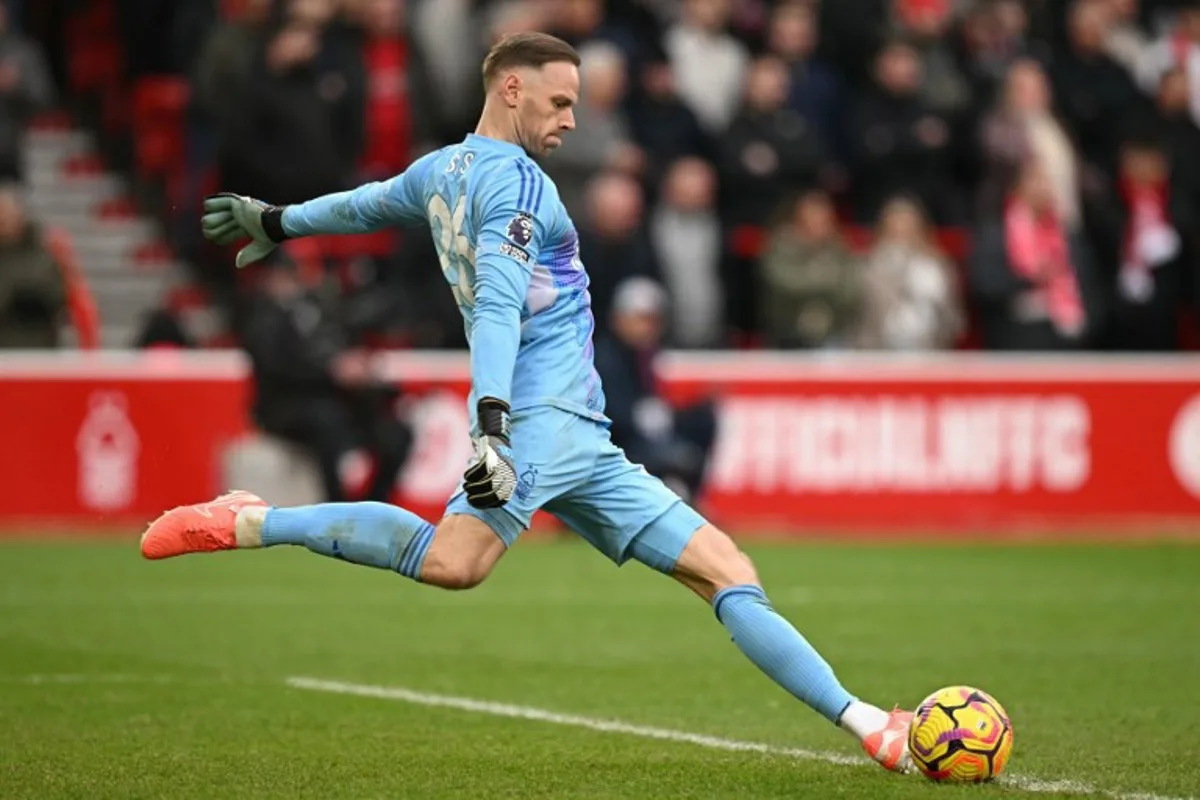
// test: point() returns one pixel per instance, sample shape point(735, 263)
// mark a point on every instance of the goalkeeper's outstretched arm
point(371, 207)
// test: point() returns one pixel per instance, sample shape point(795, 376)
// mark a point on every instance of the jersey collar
point(495, 144)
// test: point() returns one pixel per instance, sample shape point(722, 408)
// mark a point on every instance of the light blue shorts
point(568, 466)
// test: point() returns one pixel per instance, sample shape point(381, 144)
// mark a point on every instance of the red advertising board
point(962, 443)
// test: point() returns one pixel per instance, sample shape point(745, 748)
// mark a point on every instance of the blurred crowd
point(856, 174)
point(32, 292)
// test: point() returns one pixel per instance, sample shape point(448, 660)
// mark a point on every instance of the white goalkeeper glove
point(491, 477)
point(230, 217)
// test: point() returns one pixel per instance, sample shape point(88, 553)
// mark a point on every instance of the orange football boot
point(200, 528)
point(889, 745)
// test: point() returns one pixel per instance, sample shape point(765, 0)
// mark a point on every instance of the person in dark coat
point(301, 105)
point(1093, 92)
point(1032, 275)
point(313, 389)
point(1142, 233)
point(770, 149)
point(662, 125)
point(674, 444)
point(899, 144)
point(33, 295)
point(613, 240)
point(1180, 136)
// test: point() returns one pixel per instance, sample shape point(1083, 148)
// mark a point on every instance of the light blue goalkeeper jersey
point(510, 253)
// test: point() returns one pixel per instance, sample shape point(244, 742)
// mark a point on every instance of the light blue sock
point(778, 649)
point(372, 534)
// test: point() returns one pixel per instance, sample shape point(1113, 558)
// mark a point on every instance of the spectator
point(1020, 128)
point(301, 107)
point(1031, 274)
point(582, 21)
point(852, 33)
point(900, 144)
point(577, 21)
point(514, 16)
point(601, 139)
point(1093, 92)
point(25, 88)
point(812, 285)
point(995, 33)
point(1047, 20)
point(395, 90)
point(686, 234)
point(612, 241)
point(1151, 269)
point(1181, 140)
point(1179, 48)
point(32, 292)
point(1179, 131)
point(910, 291)
point(226, 61)
point(662, 125)
point(673, 444)
point(446, 34)
point(926, 23)
point(709, 64)
point(769, 150)
point(815, 89)
point(1127, 42)
point(313, 389)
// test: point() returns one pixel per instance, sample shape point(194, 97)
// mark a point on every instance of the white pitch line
point(69, 677)
point(1022, 782)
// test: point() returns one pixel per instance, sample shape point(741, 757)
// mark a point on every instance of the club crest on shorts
point(520, 229)
point(526, 483)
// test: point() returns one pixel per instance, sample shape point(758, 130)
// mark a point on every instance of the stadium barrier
point(839, 443)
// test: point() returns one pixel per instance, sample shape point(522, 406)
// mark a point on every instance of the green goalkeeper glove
point(230, 217)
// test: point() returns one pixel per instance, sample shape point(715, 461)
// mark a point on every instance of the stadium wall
point(843, 443)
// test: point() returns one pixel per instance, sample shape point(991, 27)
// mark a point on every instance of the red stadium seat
point(858, 237)
point(51, 121)
point(159, 105)
point(83, 165)
point(94, 65)
point(160, 152)
point(747, 241)
point(153, 255)
point(955, 243)
point(159, 100)
point(117, 208)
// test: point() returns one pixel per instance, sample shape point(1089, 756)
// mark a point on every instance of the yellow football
point(960, 734)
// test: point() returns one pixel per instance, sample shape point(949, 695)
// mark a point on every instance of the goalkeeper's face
point(545, 111)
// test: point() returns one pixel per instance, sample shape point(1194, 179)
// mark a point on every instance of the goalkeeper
point(510, 254)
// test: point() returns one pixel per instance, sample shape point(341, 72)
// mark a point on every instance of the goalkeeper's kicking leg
point(713, 567)
point(458, 554)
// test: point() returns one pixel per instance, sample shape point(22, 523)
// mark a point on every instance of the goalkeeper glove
point(491, 478)
point(230, 217)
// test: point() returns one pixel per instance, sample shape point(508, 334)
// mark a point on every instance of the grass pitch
point(127, 679)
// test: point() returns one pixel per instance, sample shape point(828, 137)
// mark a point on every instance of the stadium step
point(111, 291)
point(101, 264)
point(120, 252)
point(118, 336)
